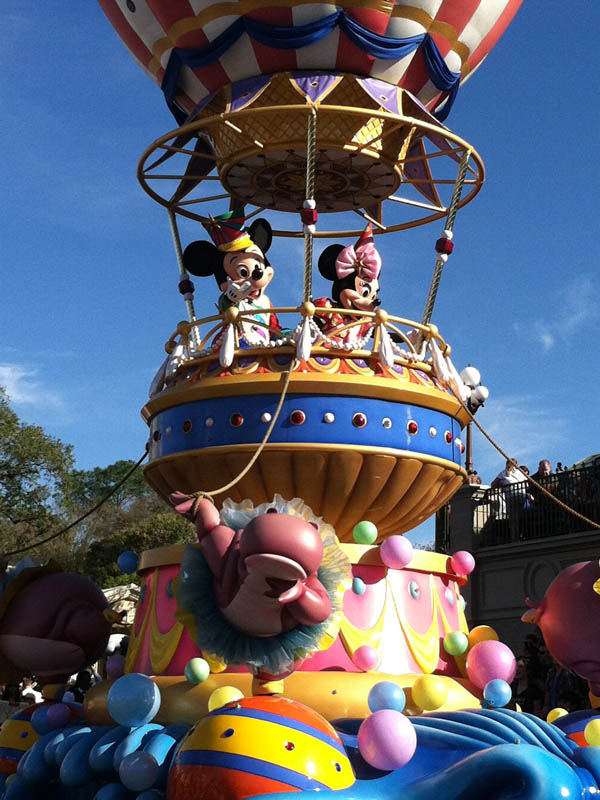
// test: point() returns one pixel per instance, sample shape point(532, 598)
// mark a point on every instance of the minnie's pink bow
point(364, 260)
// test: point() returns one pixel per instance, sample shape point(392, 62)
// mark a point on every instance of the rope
point(532, 481)
point(83, 516)
point(189, 302)
point(439, 262)
point(199, 495)
point(311, 141)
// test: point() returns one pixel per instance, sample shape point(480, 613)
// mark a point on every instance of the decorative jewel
point(359, 420)
point(235, 420)
point(432, 431)
point(266, 417)
point(297, 417)
point(448, 437)
point(328, 417)
point(412, 427)
point(209, 422)
point(187, 426)
point(386, 422)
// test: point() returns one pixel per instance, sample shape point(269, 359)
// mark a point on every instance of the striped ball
point(259, 745)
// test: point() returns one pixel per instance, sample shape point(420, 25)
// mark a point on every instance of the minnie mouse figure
point(354, 271)
point(236, 257)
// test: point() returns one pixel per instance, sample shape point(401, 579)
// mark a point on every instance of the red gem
point(289, 746)
point(412, 427)
point(235, 420)
point(444, 246)
point(462, 448)
point(309, 216)
point(448, 437)
point(359, 420)
point(297, 417)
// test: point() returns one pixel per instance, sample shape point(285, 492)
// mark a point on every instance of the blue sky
point(89, 277)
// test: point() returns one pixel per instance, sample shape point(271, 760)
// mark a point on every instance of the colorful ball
point(456, 643)
point(387, 739)
point(482, 633)
point(260, 745)
point(196, 670)
point(489, 660)
point(39, 720)
point(396, 552)
point(223, 695)
point(128, 562)
point(497, 693)
point(58, 715)
point(115, 666)
point(365, 657)
point(138, 771)
point(358, 586)
point(365, 532)
point(429, 692)
point(386, 695)
point(462, 562)
point(133, 700)
point(591, 733)
point(556, 713)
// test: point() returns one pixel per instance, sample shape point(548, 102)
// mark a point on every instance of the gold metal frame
point(181, 194)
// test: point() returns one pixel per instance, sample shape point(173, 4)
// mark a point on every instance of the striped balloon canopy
point(192, 48)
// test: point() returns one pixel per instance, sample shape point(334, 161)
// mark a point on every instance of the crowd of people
point(541, 684)
point(520, 505)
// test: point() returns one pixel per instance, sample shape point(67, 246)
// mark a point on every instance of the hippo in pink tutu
point(569, 618)
point(265, 577)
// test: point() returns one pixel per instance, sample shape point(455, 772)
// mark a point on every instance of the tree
point(35, 471)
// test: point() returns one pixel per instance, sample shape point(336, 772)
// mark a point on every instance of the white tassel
point(440, 368)
point(158, 380)
point(227, 346)
point(456, 382)
point(173, 361)
point(303, 339)
point(385, 351)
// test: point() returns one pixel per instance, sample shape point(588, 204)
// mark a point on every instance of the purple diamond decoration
point(315, 87)
point(383, 93)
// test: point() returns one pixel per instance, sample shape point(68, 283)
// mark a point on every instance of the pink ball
point(462, 562)
point(115, 666)
point(387, 739)
point(490, 660)
point(365, 657)
point(396, 552)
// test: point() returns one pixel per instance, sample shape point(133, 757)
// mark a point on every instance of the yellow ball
point(223, 695)
point(482, 633)
point(429, 692)
point(556, 713)
point(591, 733)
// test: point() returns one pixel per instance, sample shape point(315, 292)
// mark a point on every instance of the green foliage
point(158, 530)
point(35, 471)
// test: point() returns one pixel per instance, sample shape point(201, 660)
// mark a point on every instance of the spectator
point(513, 484)
point(526, 689)
point(76, 693)
point(29, 693)
point(564, 689)
point(544, 471)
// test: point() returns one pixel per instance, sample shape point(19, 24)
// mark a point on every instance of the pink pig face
point(569, 618)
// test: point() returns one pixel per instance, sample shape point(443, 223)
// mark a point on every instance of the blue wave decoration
point(298, 37)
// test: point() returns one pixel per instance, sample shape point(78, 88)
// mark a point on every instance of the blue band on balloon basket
point(252, 766)
point(328, 420)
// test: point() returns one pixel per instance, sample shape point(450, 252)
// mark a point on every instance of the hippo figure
point(264, 576)
point(569, 618)
point(52, 624)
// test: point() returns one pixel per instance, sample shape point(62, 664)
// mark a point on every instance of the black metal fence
point(521, 511)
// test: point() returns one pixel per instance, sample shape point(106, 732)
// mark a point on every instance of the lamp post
point(478, 394)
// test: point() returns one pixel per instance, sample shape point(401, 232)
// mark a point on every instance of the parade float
point(299, 643)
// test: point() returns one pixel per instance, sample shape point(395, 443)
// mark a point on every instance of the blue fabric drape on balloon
point(300, 36)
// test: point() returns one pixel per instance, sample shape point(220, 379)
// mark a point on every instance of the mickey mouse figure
point(354, 271)
point(236, 257)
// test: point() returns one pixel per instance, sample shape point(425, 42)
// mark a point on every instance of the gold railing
point(374, 336)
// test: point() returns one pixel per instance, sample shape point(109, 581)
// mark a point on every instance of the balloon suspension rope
point(83, 516)
point(200, 495)
point(530, 480)
point(311, 148)
point(183, 276)
point(440, 261)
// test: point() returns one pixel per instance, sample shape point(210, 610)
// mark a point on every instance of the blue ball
point(40, 722)
point(497, 693)
point(128, 562)
point(133, 700)
point(112, 791)
point(138, 771)
point(358, 586)
point(386, 695)
point(151, 794)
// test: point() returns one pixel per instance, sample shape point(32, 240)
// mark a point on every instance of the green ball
point(10, 779)
point(196, 670)
point(365, 532)
point(456, 643)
